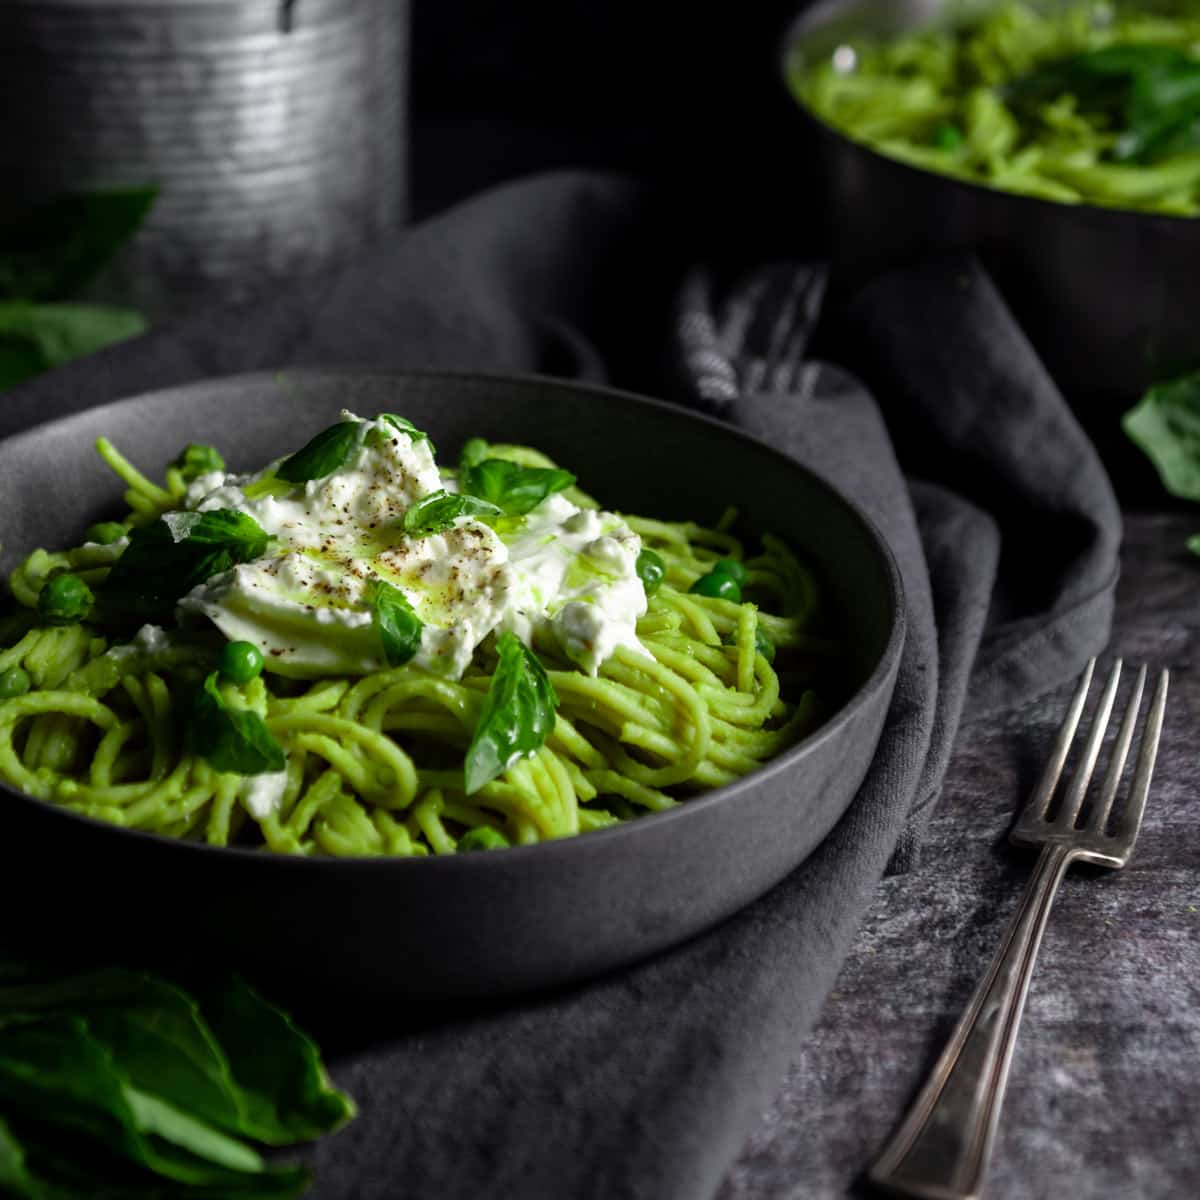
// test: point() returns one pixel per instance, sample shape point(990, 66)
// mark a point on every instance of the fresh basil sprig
point(167, 558)
point(398, 624)
point(329, 451)
point(517, 717)
point(514, 489)
point(439, 510)
point(118, 1083)
point(231, 739)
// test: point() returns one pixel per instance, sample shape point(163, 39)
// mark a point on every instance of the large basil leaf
point(1165, 425)
point(514, 489)
point(398, 625)
point(517, 717)
point(38, 337)
point(54, 250)
point(329, 451)
point(167, 558)
point(54, 1073)
point(439, 510)
point(224, 1055)
point(231, 739)
point(286, 1094)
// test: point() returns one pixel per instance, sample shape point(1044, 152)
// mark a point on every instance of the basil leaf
point(218, 527)
point(399, 626)
point(38, 337)
point(54, 250)
point(406, 426)
point(224, 1055)
point(513, 488)
point(1165, 425)
point(167, 558)
point(474, 451)
point(232, 739)
point(1193, 543)
point(329, 451)
point(286, 1094)
point(56, 1075)
point(517, 717)
point(439, 510)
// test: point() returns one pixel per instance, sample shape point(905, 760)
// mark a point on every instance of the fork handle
point(940, 1151)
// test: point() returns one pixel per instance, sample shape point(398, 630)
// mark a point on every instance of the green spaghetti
point(1080, 103)
point(357, 652)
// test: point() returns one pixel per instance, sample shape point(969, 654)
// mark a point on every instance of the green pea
point(650, 570)
point(763, 644)
point(482, 837)
point(64, 600)
point(731, 567)
point(106, 533)
point(240, 662)
point(717, 584)
point(198, 459)
point(947, 137)
point(14, 682)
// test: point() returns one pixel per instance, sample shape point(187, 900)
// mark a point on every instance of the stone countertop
point(1104, 1091)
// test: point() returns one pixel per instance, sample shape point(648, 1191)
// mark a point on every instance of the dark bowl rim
point(816, 18)
point(578, 844)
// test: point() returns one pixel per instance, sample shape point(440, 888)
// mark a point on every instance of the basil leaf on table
point(225, 1054)
point(38, 337)
point(232, 739)
point(167, 558)
point(1165, 425)
point(517, 717)
point(55, 249)
point(285, 1091)
point(55, 1074)
point(120, 1084)
point(439, 510)
point(398, 625)
point(513, 488)
point(329, 451)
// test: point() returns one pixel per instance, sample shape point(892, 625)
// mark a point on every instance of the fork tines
point(1091, 837)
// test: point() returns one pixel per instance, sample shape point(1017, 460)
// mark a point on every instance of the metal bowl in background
point(472, 924)
point(1108, 297)
point(275, 129)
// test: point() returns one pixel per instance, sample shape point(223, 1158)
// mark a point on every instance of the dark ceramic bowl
point(1107, 296)
point(482, 924)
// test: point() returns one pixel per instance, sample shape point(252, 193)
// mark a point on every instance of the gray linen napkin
point(645, 1083)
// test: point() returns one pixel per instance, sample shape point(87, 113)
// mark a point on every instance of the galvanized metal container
point(275, 129)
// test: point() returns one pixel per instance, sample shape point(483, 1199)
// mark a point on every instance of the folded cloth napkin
point(645, 1083)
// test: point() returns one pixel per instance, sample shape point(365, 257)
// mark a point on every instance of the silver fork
point(940, 1151)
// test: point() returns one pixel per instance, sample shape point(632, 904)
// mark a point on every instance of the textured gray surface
point(1104, 1095)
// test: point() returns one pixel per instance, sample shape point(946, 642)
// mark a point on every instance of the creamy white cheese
point(263, 794)
point(559, 569)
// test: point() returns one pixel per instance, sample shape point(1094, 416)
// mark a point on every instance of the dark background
point(686, 94)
